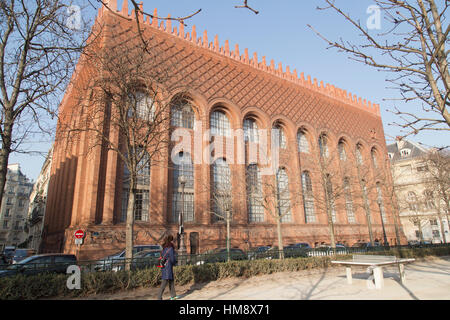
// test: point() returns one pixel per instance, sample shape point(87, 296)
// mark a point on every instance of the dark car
point(21, 254)
point(145, 259)
point(258, 252)
point(294, 251)
point(43, 263)
point(221, 255)
point(117, 261)
point(8, 253)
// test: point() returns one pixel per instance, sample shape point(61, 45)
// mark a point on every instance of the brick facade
point(85, 188)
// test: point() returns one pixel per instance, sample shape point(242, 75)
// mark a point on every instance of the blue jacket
point(167, 271)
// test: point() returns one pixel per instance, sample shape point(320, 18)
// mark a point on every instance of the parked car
point(257, 253)
point(117, 261)
point(146, 259)
point(42, 263)
point(8, 252)
point(21, 254)
point(221, 255)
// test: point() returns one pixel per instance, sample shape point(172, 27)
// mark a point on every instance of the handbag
point(163, 260)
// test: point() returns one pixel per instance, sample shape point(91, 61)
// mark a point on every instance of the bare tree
point(40, 43)
point(413, 50)
point(436, 177)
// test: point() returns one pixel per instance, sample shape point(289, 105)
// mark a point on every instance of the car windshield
point(20, 253)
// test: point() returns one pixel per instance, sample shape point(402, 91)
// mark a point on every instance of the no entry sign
point(79, 234)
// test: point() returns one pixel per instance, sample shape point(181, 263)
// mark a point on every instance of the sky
point(280, 32)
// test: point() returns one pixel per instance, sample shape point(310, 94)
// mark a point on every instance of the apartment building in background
point(14, 210)
point(423, 211)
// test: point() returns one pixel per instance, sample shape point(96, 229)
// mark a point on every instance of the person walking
point(168, 252)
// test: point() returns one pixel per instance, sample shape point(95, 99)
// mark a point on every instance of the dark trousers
point(163, 287)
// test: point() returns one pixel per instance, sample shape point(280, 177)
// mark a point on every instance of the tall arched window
point(302, 142)
point(278, 136)
point(342, 152)
point(183, 167)
point(254, 194)
point(373, 153)
point(349, 201)
point(308, 199)
point(359, 157)
point(250, 130)
point(380, 202)
point(283, 196)
point(330, 197)
point(220, 124)
point(221, 190)
point(141, 105)
point(323, 146)
point(182, 114)
point(142, 200)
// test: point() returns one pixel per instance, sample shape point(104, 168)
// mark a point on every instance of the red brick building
point(226, 90)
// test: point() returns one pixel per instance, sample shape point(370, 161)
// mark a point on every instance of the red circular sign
point(79, 234)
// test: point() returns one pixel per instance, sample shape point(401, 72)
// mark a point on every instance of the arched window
point(254, 194)
point(349, 201)
point(220, 124)
point(323, 146)
point(221, 190)
point(283, 196)
point(250, 130)
point(141, 105)
point(278, 136)
point(183, 168)
point(359, 157)
point(182, 114)
point(308, 199)
point(342, 152)
point(380, 202)
point(373, 153)
point(330, 197)
point(302, 142)
point(141, 201)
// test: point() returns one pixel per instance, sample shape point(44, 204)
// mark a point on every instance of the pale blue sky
point(280, 32)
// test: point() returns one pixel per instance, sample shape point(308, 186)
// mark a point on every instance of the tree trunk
point(5, 151)
point(228, 237)
point(129, 226)
point(280, 240)
point(331, 228)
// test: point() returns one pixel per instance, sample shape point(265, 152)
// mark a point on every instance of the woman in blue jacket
point(167, 272)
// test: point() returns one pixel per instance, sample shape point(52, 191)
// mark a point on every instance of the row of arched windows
point(182, 115)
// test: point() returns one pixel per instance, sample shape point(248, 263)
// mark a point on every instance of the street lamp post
point(182, 250)
point(382, 222)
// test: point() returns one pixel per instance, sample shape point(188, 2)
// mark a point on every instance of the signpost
point(79, 236)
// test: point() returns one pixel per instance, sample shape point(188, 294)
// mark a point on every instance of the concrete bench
point(374, 264)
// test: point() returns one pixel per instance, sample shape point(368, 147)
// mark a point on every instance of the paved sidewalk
point(424, 280)
point(428, 279)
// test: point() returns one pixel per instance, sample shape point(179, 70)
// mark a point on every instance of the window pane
point(302, 141)
point(254, 194)
point(182, 115)
point(308, 200)
point(221, 190)
point(250, 130)
point(220, 125)
point(183, 167)
point(283, 195)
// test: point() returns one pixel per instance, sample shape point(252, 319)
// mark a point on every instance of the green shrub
point(54, 285)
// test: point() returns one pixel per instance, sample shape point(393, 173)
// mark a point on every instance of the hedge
point(54, 285)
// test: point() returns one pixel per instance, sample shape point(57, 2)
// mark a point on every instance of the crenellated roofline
point(214, 46)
